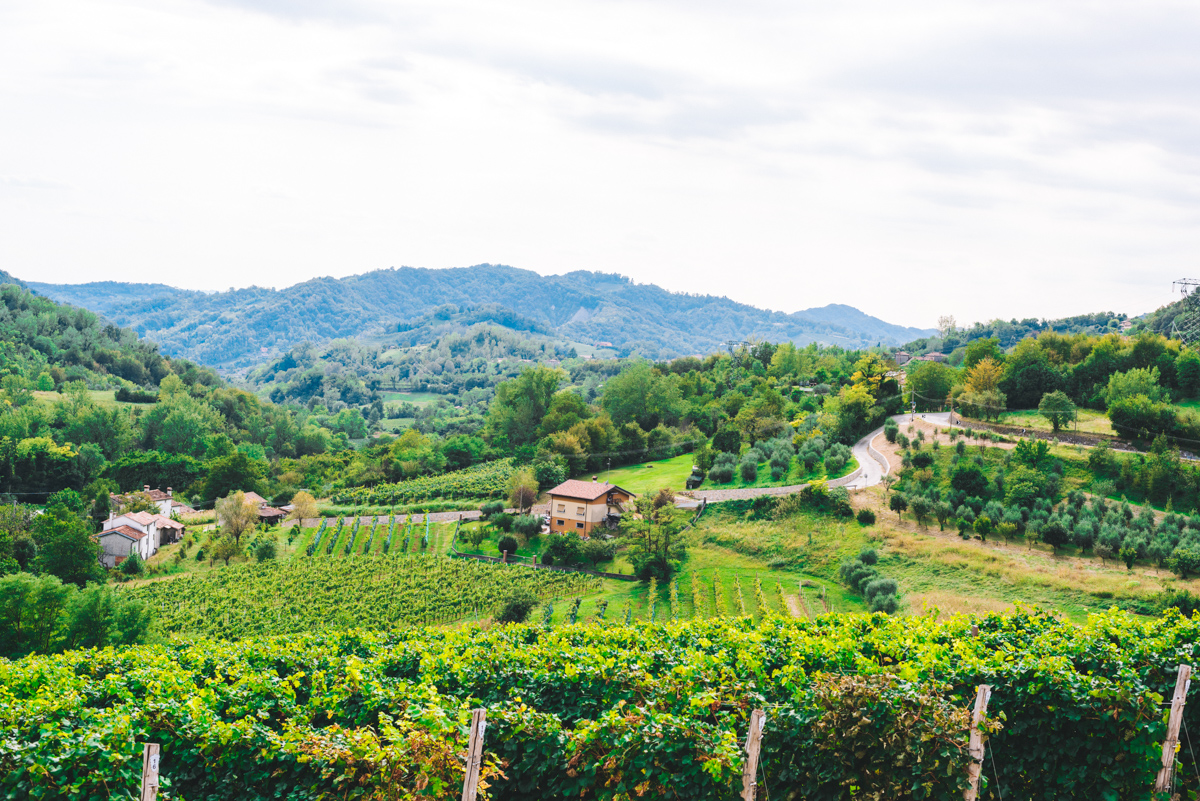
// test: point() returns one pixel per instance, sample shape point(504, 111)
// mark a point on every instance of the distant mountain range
point(246, 326)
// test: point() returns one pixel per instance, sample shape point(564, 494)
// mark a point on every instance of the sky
point(1016, 159)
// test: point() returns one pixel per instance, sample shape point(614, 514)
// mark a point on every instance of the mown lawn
point(1090, 421)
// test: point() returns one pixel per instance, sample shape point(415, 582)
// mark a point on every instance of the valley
point(355, 529)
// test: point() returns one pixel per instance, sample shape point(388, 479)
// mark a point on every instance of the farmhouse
point(584, 505)
point(166, 502)
point(136, 532)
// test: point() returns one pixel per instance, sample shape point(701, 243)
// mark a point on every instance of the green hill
point(240, 327)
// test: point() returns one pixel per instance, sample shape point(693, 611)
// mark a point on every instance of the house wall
point(147, 545)
point(571, 519)
point(112, 546)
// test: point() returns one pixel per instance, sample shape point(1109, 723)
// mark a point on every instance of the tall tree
point(65, 546)
point(520, 405)
point(236, 515)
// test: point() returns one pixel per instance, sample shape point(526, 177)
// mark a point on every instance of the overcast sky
point(911, 159)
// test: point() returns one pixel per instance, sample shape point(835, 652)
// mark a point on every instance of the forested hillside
point(231, 329)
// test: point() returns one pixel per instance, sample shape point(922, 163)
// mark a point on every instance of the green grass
point(649, 477)
point(397, 424)
point(415, 398)
point(1090, 421)
point(1190, 403)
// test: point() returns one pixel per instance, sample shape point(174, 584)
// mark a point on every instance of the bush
point(721, 474)
point(866, 517)
point(890, 430)
point(133, 566)
point(491, 508)
point(199, 554)
point(515, 608)
point(507, 543)
point(868, 556)
point(749, 469)
point(528, 526)
point(503, 521)
point(856, 574)
point(264, 550)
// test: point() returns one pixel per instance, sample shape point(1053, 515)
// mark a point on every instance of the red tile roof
point(145, 518)
point(268, 511)
point(586, 490)
point(128, 531)
point(254, 497)
point(166, 522)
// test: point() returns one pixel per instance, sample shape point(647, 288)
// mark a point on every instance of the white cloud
point(1021, 159)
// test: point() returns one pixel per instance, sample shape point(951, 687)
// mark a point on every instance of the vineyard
point(372, 592)
point(487, 480)
point(857, 707)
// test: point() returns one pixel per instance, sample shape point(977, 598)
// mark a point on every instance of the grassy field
point(650, 476)
point(673, 473)
point(106, 398)
point(397, 424)
point(415, 398)
point(1090, 421)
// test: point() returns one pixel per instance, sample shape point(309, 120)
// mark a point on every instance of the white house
point(118, 544)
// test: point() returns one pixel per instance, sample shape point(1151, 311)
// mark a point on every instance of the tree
point(65, 547)
point(1057, 408)
point(516, 606)
point(983, 527)
point(1132, 383)
point(236, 515)
point(1055, 534)
point(233, 473)
point(519, 406)
point(982, 349)
point(225, 549)
point(898, 504)
point(984, 376)
point(1187, 372)
point(652, 541)
point(304, 506)
point(1185, 561)
point(1129, 554)
point(930, 384)
point(640, 395)
point(596, 550)
point(523, 489)
point(1029, 374)
point(969, 479)
point(943, 512)
point(946, 324)
point(922, 508)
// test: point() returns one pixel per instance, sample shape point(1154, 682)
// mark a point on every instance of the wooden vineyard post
point(474, 755)
point(150, 754)
point(1165, 774)
point(975, 745)
point(758, 719)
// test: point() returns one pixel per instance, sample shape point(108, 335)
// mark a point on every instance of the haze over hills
point(232, 329)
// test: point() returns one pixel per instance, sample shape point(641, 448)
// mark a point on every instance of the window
point(562, 507)
point(562, 522)
point(579, 525)
point(579, 510)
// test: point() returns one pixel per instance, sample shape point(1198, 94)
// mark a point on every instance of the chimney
point(146, 488)
point(594, 478)
point(170, 492)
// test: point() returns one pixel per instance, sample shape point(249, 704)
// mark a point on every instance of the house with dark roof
point(583, 506)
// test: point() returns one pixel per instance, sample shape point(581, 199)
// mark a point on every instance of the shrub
point(922, 459)
point(491, 508)
point(868, 556)
point(133, 566)
point(856, 574)
point(503, 521)
point(507, 543)
point(528, 525)
point(515, 608)
point(264, 550)
point(721, 474)
point(749, 469)
point(890, 430)
point(866, 517)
